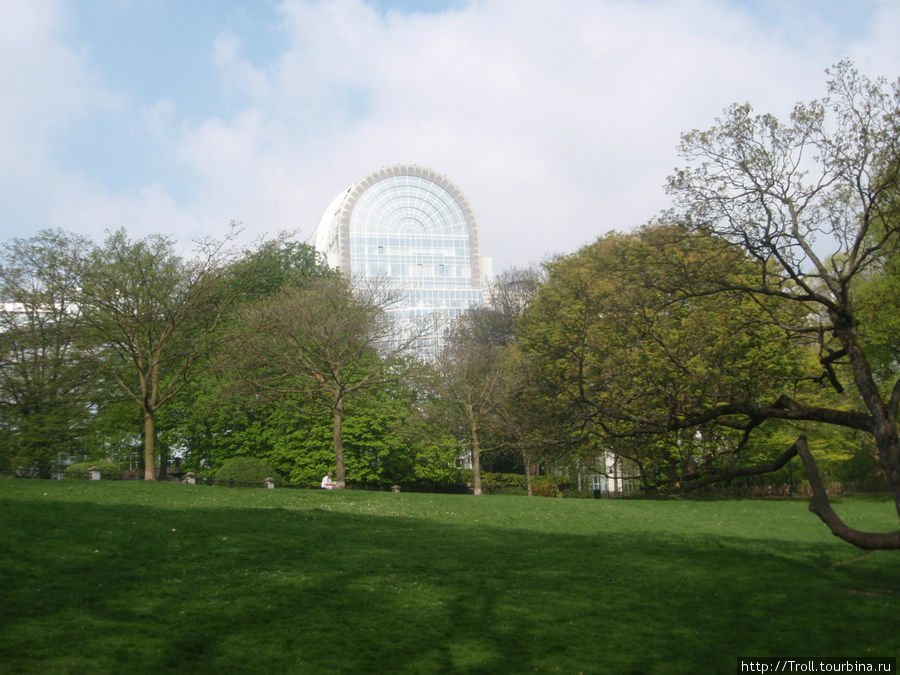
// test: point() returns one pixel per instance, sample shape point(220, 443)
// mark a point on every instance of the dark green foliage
point(878, 304)
point(627, 351)
point(277, 264)
point(245, 471)
point(108, 470)
point(506, 483)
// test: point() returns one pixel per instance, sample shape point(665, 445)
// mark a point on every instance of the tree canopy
point(813, 201)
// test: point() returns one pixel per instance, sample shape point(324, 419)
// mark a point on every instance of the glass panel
point(414, 231)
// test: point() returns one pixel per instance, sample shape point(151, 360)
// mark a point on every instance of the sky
point(558, 120)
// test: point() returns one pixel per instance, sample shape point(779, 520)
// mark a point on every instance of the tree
point(374, 438)
point(274, 265)
point(473, 381)
point(814, 202)
point(525, 419)
point(488, 384)
point(315, 346)
point(626, 353)
point(505, 302)
point(45, 384)
point(217, 416)
point(151, 319)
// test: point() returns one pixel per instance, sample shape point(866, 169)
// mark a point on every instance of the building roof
point(332, 233)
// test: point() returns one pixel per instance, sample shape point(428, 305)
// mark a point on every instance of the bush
point(245, 471)
point(107, 469)
point(508, 483)
point(546, 486)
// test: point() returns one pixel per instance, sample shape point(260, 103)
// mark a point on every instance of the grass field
point(117, 577)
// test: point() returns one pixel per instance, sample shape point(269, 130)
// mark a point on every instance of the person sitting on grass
point(327, 482)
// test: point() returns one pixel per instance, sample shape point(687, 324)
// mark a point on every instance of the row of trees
point(754, 323)
point(107, 343)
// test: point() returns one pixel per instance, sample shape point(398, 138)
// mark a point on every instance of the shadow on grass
point(113, 588)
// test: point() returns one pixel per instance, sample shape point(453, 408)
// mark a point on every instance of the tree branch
point(821, 506)
point(765, 467)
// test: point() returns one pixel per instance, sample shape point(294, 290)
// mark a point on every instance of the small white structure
point(190, 477)
point(94, 473)
point(270, 482)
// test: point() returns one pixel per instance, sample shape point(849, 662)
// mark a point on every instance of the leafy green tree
point(483, 379)
point(274, 265)
point(628, 354)
point(316, 346)
point(151, 319)
point(814, 201)
point(878, 304)
point(532, 420)
point(373, 435)
point(46, 387)
point(218, 416)
point(526, 423)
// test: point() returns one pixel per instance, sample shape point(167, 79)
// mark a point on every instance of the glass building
point(413, 227)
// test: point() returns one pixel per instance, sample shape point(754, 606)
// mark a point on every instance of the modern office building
point(413, 227)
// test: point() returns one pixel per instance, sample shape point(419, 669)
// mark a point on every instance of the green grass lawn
point(140, 577)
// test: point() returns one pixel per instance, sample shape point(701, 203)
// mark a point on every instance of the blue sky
point(558, 120)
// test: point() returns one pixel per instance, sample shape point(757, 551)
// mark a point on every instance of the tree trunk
point(884, 426)
point(149, 447)
point(672, 482)
point(338, 418)
point(476, 456)
point(615, 477)
point(529, 490)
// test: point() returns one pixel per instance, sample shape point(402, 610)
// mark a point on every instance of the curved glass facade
point(413, 227)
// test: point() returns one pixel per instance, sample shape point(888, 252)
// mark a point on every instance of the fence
point(800, 489)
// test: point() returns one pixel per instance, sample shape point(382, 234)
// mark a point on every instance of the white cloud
point(43, 82)
point(878, 54)
point(559, 121)
point(240, 73)
point(45, 86)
